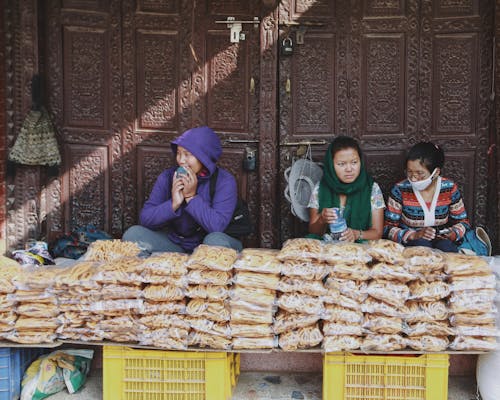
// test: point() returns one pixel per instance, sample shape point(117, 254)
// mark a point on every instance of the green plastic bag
point(53, 372)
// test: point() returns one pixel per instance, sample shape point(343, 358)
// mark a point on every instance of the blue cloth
point(158, 241)
point(191, 222)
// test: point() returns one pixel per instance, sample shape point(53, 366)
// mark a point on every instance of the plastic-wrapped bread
point(428, 343)
point(163, 293)
point(345, 253)
point(374, 306)
point(353, 289)
point(474, 343)
point(210, 292)
point(312, 288)
point(381, 342)
point(285, 321)
point(458, 264)
point(459, 283)
point(473, 319)
point(258, 260)
point(341, 300)
point(168, 263)
point(258, 296)
point(215, 310)
point(425, 291)
point(389, 292)
point(355, 272)
point(308, 270)
point(249, 343)
point(341, 343)
point(152, 307)
point(340, 328)
point(382, 324)
point(256, 280)
point(384, 250)
point(244, 315)
point(338, 313)
point(302, 338)
point(301, 303)
point(208, 277)
point(111, 250)
point(420, 259)
point(203, 340)
point(122, 271)
point(426, 311)
point(391, 272)
point(472, 301)
point(113, 291)
point(215, 257)
point(37, 310)
point(476, 330)
point(159, 321)
point(251, 330)
point(301, 249)
point(437, 328)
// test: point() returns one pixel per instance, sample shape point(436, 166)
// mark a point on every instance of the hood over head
point(203, 143)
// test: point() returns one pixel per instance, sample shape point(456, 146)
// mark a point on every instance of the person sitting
point(346, 189)
point(426, 209)
point(180, 212)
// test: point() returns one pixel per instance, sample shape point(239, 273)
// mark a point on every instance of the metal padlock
point(250, 160)
point(287, 47)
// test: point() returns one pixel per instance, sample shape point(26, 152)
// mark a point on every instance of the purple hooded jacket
point(188, 225)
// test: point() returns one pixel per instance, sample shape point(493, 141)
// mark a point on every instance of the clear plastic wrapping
point(472, 301)
point(341, 300)
point(382, 324)
point(312, 288)
point(477, 330)
point(122, 271)
point(425, 291)
point(168, 263)
point(345, 253)
point(301, 303)
point(215, 310)
point(301, 249)
point(203, 340)
point(352, 289)
point(339, 328)
point(459, 283)
point(341, 343)
point(458, 264)
point(428, 343)
point(437, 328)
point(374, 306)
point(163, 293)
point(210, 292)
point(256, 280)
point(257, 296)
point(111, 250)
point(244, 315)
point(214, 257)
point(387, 251)
point(285, 321)
point(267, 342)
point(208, 277)
point(251, 330)
point(471, 343)
point(302, 338)
point(258, 260)
point(389, 292)
point(169, 307)
point(355, 272)
point(381, 342)
point(158, 321)
point(426, 311)
point(338, 313)
point(420, 259)
point(392, 272)
point(473, 319)
point(307, 270)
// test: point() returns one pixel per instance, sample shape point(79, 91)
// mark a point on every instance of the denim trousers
point(157, 241)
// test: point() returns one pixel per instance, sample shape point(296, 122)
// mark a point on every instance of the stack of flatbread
point(384, 307)
point(36, 306)
point(253, 298)
point(427, 324)
point(121, 301)
point(346, 289)
point(76, 291)
point(471, 302)
point(301, 290)
point(209, 278)
point(7, 315)
point(161, 317)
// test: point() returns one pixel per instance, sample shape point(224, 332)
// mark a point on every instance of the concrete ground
point(262, 386)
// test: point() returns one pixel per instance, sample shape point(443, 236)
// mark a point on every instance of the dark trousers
point(442, 244)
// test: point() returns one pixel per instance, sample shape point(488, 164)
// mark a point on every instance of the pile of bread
point(378, 296)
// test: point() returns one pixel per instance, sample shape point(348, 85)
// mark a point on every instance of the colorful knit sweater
point(404, 214)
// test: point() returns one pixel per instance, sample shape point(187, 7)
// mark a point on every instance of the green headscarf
point(358, 210)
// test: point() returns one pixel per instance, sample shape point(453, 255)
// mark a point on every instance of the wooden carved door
point(390, 74)
point(125, 78)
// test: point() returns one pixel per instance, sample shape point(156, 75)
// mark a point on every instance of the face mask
point(423, 184)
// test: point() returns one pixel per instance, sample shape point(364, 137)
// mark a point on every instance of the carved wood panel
point(402, 72)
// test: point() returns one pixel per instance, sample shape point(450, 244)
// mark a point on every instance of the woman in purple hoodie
point(180, 213)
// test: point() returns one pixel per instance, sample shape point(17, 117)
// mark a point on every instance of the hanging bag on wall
point(476, 241)
point(301, 177)
point(241, 223)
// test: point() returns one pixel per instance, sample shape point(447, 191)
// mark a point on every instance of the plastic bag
point(53, 372)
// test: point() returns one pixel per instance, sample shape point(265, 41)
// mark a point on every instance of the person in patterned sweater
point(426, 209)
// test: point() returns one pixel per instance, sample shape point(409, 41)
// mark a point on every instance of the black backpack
point(241, 224)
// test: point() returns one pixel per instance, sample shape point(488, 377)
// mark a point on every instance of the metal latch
point(235, 27)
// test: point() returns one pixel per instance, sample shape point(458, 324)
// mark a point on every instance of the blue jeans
point(158, 241)
point(445, 245)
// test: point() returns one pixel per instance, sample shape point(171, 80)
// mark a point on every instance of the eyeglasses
point(418, 175)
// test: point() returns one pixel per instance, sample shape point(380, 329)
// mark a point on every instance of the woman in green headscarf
point(346, 185)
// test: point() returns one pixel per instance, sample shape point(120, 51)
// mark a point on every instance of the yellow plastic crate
point(379, 377)
point(138, 374)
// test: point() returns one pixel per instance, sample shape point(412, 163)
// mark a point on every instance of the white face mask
point(424, 183)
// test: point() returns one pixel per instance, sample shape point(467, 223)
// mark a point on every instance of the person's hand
point(348, 235)
point(329, 215)
point(190, 182)
point(177, 194)
point(427, 233)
